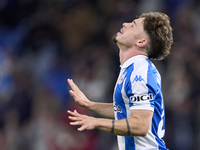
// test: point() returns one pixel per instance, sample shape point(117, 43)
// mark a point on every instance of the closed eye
point(132, 25)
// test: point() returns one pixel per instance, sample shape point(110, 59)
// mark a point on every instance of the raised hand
point(86, 122)
point(78, 95)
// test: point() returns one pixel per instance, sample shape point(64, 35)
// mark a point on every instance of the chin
point(114, 38)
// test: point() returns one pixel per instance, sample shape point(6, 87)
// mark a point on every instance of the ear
point(142, 42)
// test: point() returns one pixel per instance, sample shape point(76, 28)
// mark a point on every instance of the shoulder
point(141, 64)
point(140, 68)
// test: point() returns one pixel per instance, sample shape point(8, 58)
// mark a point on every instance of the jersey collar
point(132, 60)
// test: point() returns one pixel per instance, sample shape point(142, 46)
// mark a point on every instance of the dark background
point(44, 42)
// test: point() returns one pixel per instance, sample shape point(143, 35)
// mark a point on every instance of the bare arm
point(137, 125)
point(103, 109)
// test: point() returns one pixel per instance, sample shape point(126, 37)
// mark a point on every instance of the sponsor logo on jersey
point(139, 98)
point(117, 109)
point(138, 78)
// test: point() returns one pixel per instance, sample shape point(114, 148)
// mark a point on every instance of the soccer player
point(137, 114)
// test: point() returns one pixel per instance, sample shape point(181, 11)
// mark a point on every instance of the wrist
point(91, 106)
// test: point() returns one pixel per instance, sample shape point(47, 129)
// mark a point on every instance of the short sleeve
point(140, 94)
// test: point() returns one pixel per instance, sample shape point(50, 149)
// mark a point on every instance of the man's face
point(130, 33)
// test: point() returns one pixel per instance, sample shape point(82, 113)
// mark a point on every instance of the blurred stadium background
point(44, 42)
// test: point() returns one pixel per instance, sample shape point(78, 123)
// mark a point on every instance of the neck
point(124, 55)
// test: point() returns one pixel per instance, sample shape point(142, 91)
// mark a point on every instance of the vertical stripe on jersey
point(158, 116)
point(129, 144)
point(129, 140)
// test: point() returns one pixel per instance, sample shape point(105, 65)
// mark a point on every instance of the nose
point(125, 24)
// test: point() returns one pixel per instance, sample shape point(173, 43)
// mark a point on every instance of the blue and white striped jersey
point(139, 88)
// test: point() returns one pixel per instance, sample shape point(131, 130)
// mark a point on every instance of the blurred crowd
point(44, 42)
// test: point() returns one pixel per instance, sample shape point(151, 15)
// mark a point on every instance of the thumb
point(72, 93)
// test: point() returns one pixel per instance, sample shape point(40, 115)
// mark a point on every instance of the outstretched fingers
point(83, 121)
point(83, 127)
point(73, 113)
point(76, 93)
point(73, 86)
point(72, 94)
point(74, 117)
